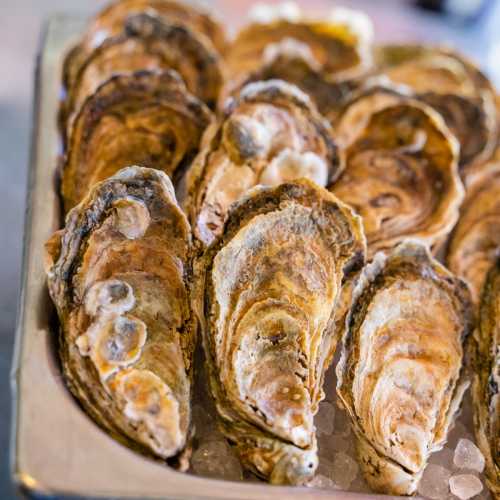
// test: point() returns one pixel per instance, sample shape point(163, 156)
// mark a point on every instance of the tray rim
point(37, 482)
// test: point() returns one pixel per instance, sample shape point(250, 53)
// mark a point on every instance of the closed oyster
point(270, 133)
point(111, 21)
point(148, 43)
point(267, 293)
point(400, 172)
point(476, 238)
point(299, 69)
point(118, 274)
point(455, 88)
point(146, 118)
point(486, 378)
point(399, 373)
point(335, 49)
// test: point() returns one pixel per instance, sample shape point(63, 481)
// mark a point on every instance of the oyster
point(118, 274)
point(334, 49)
point(486, 378)
point(269, 134)
point(475, 240)
point(399, 372)
point(148, 43)
point(455, 88)
point(299, 69)
point(400, 171)
point(111, 21)
point(266, 298)
point(146, 118)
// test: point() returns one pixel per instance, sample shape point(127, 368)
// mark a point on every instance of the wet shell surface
point(119, 275)
point(267, 293)
point(399, 376)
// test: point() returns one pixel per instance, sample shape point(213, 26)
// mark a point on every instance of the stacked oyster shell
point(323, 184)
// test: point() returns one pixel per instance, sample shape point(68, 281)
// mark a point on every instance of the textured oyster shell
point(118, 274)
point(476, 238)
point(146, 118)
point(327, 94)
point(455, 88)
point(486, 378)
point(399, 373)
point(110, 22)
point(334, 49)
point(269, 134)
point(400, 171)
point(148, 43)
point(267, 295)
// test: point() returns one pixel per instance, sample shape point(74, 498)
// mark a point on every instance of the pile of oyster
point(294, 199)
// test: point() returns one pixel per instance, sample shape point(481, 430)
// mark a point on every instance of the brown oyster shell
point(486, 378)
point(399, 376)
point(148, 43)
point(110, 22)
point(119, 275)
point(266, 298)
point(146, 118)
point(269, 134)
point(400, 170)
point(455, 88)
point(475, 240)
point(334, 49)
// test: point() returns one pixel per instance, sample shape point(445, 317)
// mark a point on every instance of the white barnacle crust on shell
point(131, 217)
point(289, 165)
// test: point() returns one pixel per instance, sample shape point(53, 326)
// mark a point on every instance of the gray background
point(21, 25)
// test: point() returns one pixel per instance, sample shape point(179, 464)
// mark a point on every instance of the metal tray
point(56, 449)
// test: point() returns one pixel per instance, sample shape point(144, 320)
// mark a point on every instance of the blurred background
point(472, 26)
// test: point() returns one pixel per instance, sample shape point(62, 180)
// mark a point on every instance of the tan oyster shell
point(111, 21)
point(400, 170)
point(270, 133)
point(147, 118)
point(475, 240)
point(399, 372)
point(119, 275)
point(454, 87)
point(486, 378)
point(147, 43)
point(267, 294)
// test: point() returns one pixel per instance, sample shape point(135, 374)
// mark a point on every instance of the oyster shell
point(146, 118)
point(118, 274)
point(486, 378)
point(110, 22)
point(455, 88)
point(399, 373)
point(298, 69)
point(400, 170)
point(148, 43)
point(475, 240)
point(267, 293)
point(269, 134)
point(334, 49)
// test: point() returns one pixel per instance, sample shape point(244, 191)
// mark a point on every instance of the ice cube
point(216, 459)
point(434, 482)
point(329, 445)
point(345, 470)
point(320, 481)
point(465, 486)
point(468, 456)
point(324, 418)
